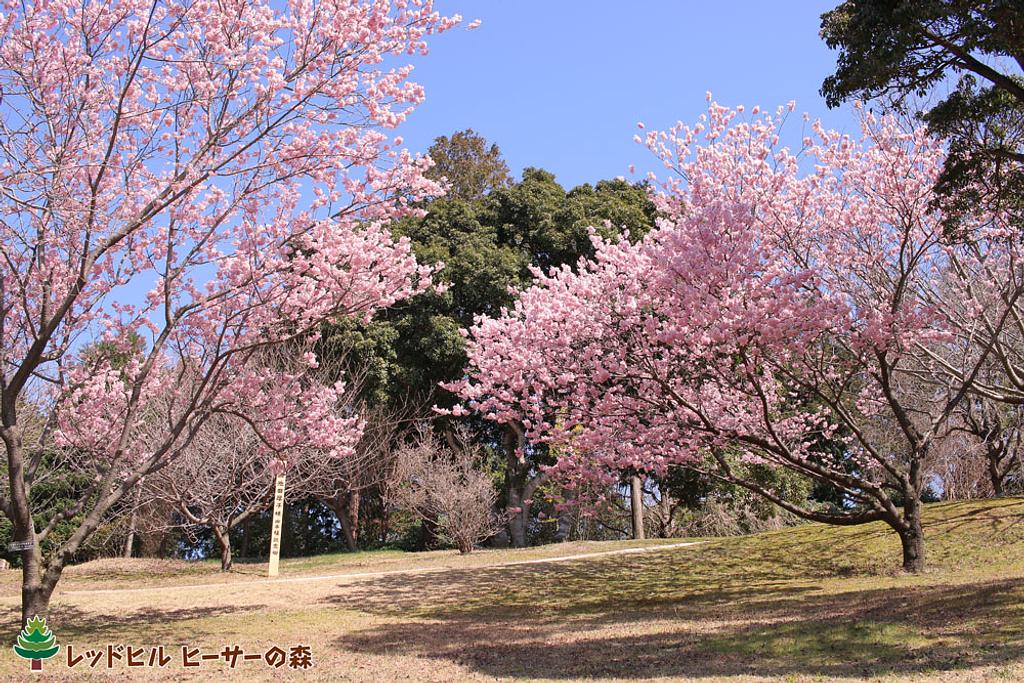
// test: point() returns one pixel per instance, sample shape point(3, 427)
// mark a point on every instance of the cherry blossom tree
point(797, 310)
point(212, 178)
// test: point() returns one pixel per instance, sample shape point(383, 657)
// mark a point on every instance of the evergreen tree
point(36, 642)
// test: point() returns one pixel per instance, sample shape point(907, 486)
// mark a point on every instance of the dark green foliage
point(526, 217)
point(708, 506)
point(901, 49)
point(489, 233)
point(367, 346)
point(985, 129)
point(609, 206)
point(309, 527)
point(487, 240)
point(694, 490)
point(57, 487)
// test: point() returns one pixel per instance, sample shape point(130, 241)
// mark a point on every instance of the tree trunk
point(35, 595)
point(637, 506)
point(35, 599)
point(346, 508)
point(520, 485)
point(130, 540)
point(246, 535)
point(912, 536)
point(351, 524)
point(385, 526)
point(517, 527)
point(516, 473)
point(564, 530)
point(223, 537)
point(995, 456)
point(518, 522)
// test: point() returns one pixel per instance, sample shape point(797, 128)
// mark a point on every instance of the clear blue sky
point(560, 84)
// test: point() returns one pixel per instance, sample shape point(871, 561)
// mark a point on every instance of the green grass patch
point(810, 603)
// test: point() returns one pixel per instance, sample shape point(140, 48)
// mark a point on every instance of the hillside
point(809, 603)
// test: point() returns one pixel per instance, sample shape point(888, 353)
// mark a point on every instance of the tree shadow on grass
point(1000, 515)
point(714, 576)
point(145, 626)
point(605, 619)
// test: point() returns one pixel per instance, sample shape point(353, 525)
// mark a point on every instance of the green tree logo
point(36, 642)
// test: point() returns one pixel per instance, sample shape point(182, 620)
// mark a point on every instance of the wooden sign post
point(275, 529)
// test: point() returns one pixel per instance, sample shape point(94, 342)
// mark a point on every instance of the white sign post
point(275, 529)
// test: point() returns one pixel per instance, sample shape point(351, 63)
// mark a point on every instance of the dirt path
point(361, 575)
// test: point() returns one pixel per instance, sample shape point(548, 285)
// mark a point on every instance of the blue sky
point(561, 84)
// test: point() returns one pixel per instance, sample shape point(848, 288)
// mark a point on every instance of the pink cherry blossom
point(215, 179)
point(783, 300)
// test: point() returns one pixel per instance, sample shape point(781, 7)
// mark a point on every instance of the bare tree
point(996, 431)
point(444, 486)
point(342, 483)
point(958, 467)
point(224, 477)
point(663, 515)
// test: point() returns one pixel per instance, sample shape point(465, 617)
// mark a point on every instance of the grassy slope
point(811, 603)
point(118, 573)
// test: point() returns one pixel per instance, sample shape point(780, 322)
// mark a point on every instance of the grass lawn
point(813, 603)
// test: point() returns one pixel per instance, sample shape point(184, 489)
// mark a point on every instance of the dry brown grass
point(806, 604)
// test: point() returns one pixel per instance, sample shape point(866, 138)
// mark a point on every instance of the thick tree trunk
point(223, 537)
point(35, 594)
point(913, 551)
point(129, 540)
point(912, 537)
point(515, 475)
point(517, 524)
point(520, 486)
point(346, 507)
point(35, 600)
point(637, 506)
point(225, 556)
point(351, 523)
point(996, 474)
point(517, 527)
